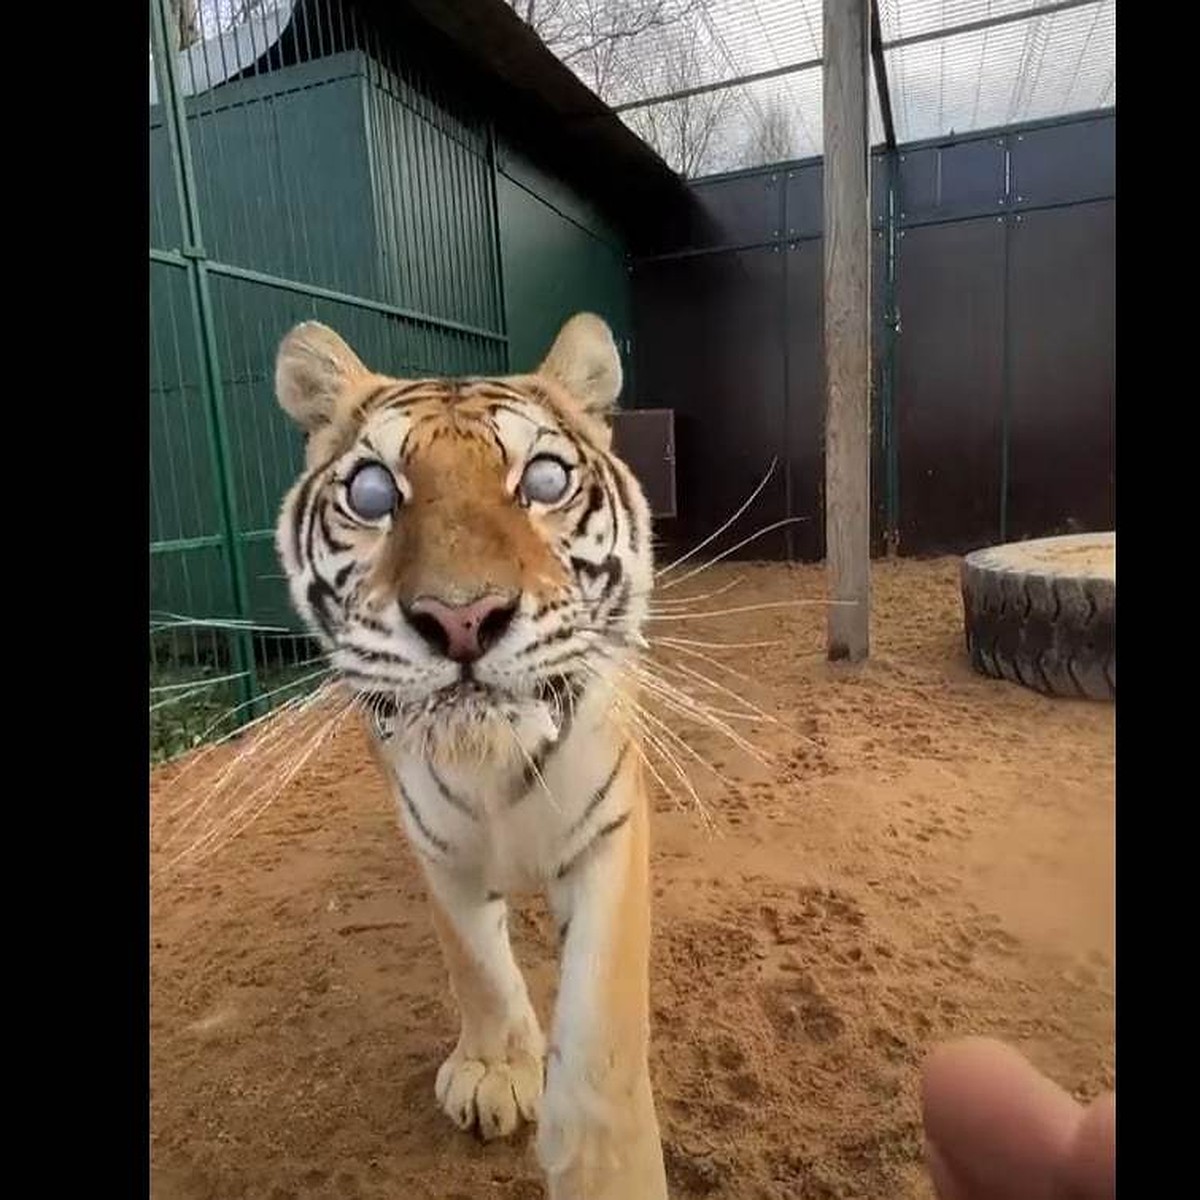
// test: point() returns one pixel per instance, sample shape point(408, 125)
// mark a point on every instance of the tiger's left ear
point(313, 369)
point(585, 361)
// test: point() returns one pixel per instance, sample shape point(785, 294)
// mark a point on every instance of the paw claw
point(493, 1097)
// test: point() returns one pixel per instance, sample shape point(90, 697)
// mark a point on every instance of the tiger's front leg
point(598, 1135)
point(493, 1079)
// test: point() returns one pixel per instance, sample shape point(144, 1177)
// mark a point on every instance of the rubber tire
point(1030, 623)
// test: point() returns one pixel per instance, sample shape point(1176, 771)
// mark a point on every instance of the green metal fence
point(305, 162)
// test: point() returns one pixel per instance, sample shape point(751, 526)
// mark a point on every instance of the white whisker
point(198, 683)
point(245, 811)
point(745, 608)
point(717, 532)
point(673, 642)
point(712, 562)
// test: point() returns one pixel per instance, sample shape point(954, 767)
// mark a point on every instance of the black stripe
point(627, 506)
point(415, 385)
point(378, 656)
point(399, 406)
point(599, 795)
point(492, 897)
point(450, 797)
point(516, 412)
point(352, 673)
point(495, 436)
point(343, 573)
point(338, 547)
point(300, 511)
point(403, 395)
point(374, 395)
point(426, 832)
point(562, 930)
point(493, 389)
point(611, 567)
point(489, 387)
point(600, 834)
point(614, 509)
point(621, 604)
point(595, 500)
point(320, 594)
point(610, 496)
point(571, 656)
point(559, 635)
point(566, 695)
point(318, 508)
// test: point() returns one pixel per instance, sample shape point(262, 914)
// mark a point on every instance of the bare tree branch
point(599, 40)
point(682, 131)
point(632, 21)
point(587, 34)
point(771, 137)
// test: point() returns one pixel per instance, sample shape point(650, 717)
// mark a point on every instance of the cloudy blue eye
point(372, 491)
point(545, 480)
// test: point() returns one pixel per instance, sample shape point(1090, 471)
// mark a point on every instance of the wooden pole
point(847, 327)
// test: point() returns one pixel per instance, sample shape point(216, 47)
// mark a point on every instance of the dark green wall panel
point(552, 268)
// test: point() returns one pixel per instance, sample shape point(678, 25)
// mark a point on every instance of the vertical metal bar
point(789, 546)
point(445, 150)
point(482, 208)
point(471, 223)
point(632, 398)
point(468, 229)
point(175, 123)
point(891, 331)
point(879, 62)
point(404, 119)
point(386, 265)
point(443, 279)
point(494, 184)
point(169, 101)
point(1006, 369)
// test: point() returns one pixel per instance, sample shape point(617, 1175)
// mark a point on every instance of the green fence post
point(175, 123)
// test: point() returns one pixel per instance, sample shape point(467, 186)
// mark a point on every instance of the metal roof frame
point(878, 48)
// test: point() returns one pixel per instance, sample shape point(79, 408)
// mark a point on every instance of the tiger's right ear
point(312, 371)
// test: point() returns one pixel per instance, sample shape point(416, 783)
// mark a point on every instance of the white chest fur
point(511, 820)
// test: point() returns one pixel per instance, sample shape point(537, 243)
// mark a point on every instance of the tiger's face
point(469, 552)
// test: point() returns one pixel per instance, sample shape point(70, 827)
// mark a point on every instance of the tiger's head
point(469, 552)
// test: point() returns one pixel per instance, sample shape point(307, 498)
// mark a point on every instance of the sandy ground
point(931, 855)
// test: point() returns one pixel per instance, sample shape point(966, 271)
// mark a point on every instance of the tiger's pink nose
point(462, 632)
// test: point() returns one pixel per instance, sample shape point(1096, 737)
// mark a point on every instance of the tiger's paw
point(492, 1096)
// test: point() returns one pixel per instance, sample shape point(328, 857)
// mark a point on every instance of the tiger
point(476, 562)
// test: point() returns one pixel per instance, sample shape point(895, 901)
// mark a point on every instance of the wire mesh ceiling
point(715, 85)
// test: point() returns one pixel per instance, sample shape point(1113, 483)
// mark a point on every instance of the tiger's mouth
point(467, 694)
point(468, 704)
